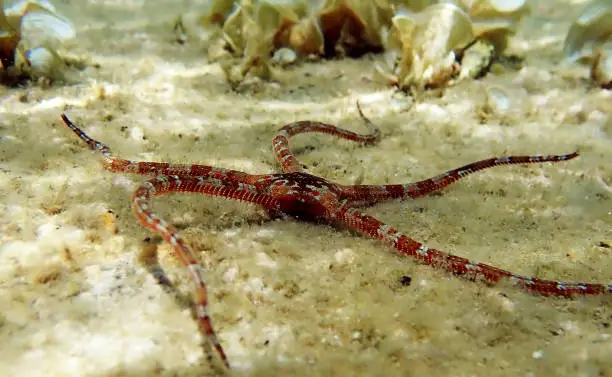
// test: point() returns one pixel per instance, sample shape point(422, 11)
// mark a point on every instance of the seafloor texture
point(76, 294)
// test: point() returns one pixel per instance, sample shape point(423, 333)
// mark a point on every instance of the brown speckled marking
point(308, 197)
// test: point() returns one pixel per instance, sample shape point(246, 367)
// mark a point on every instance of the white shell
point(428, 40)
point(591, 28)
point(284, 56)
point(39, 16)
point(30, 30)
point(476, 60)
point(495, 20)
point(47, 26)
point(41, 60)
point(22, 7)
point(508, 6)
point(498, 101)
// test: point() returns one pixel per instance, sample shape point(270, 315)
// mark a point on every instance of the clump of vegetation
point(423, 41)
point(30, 33)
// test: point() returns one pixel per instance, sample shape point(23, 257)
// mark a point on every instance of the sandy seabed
point(76, 294)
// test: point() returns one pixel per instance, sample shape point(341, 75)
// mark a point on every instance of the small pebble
point(284, 57)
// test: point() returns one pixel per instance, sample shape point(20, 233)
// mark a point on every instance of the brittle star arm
point(120, 165)
point(193, 184)
point(354, 219)
point(370, 194)
point(280, 143)
point(182, 178)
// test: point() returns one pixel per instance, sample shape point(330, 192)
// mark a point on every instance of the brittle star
point(307, 197)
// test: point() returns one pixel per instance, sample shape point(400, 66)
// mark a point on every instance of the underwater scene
point(306, 188)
